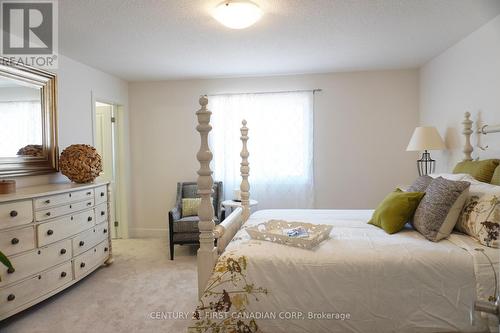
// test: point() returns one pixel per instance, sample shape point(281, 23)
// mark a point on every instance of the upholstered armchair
point(184, 229)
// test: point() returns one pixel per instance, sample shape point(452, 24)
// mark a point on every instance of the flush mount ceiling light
point(237, 14)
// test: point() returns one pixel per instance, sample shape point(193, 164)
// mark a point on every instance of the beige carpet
point(121, 297)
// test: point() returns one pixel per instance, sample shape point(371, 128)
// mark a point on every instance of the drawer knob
point(50, 232)
point(105, 231)
point(105, 249)
point(82, 243)
point(14, 241)
point(47, 201)
point(11, 297)
point(13, 213)
point(82, 265)
point(89, 203)
point(11, 270)
point(102, 194)
point(63, 274)
point(48, 213)
point(89, 193)
point(89, 219)
point(63, 251)
point(103, 213)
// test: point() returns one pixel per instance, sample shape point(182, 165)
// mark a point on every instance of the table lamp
point(425, 139)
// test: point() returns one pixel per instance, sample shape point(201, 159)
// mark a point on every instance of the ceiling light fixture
point(237, 14)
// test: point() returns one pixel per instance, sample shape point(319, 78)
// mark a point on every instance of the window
point(280, 145)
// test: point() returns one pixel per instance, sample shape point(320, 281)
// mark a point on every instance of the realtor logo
point(29, 32)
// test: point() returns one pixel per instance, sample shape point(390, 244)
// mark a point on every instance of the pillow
point(439, 210)
point(420, 185)
point(190, 206)
point(480, 170)
point(480, 217)
point(395, 210)
point(495, 180)
point(452, 176)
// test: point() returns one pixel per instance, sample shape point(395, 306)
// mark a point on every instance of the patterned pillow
point(440, 208)
point(421, 184)
point(480, 217)
point(190, 206)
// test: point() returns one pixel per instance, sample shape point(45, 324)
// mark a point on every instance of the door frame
point(122, 211)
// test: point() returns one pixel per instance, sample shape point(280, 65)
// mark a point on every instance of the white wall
point(466, 77)
point(362, 124)
point(76, 84)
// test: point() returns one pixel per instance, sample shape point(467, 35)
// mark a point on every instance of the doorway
point(107, 141)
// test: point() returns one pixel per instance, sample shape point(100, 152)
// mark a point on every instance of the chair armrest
point(222, 214)
point(174, 214)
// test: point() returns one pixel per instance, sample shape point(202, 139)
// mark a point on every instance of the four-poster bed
point(355, 281)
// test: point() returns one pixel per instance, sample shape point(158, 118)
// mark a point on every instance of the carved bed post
point(467, 132)
point(207, 252)
point(245, 172)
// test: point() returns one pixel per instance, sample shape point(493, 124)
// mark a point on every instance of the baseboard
point(148, 233)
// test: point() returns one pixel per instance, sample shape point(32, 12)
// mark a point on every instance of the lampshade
point(425, 138)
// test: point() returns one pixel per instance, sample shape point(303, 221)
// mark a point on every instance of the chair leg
point(171, 244)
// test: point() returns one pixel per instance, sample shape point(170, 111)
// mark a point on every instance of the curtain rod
point(268, 92)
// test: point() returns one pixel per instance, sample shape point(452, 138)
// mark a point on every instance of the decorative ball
point(80, 163)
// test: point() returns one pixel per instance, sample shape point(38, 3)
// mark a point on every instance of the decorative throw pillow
point(190, 206)
point(440, 208)
point(395, 210)
point(480, 170)
point(421, 184)
point(495, 180)
point(480, 217)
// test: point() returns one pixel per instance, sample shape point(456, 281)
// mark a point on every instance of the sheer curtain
point(19, 126)
point(280, 145)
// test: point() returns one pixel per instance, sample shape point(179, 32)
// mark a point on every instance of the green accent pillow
point(480, 170)
point(495, 180)
point(190, 206)
point(395, 210)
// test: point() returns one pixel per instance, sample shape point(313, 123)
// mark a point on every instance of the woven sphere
point(80, 163)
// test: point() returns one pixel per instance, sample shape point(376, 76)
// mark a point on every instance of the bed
point(359, 280)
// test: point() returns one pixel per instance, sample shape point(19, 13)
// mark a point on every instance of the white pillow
point(451, 176)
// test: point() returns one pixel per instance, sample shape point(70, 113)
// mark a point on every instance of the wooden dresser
point(54, 236)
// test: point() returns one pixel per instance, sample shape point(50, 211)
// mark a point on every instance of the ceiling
point(172, 39)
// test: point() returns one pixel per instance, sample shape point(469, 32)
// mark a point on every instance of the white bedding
point(362, 278)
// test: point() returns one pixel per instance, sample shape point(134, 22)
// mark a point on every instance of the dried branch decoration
point(80, 163)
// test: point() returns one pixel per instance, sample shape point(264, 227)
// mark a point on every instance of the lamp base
point(426, 164)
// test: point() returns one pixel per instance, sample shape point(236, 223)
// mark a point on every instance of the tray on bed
point(273, 231)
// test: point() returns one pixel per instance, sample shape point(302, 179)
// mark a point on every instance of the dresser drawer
point(37, 260)
point(101, 213)
point(26, 291)
point(101, 194)
point(64, 198)
point(90, 238)
point(18, 240)
point(64, 227)
point(16, 213)
point(53, 212)
point(90, 259)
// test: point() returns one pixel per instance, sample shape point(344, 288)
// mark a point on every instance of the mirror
point(28, 138)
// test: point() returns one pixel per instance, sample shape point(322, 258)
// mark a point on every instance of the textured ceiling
point(165, 39)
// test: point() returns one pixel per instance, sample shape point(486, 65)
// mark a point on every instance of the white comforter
point(360, 280)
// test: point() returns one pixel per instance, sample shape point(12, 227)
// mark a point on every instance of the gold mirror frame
point(46, 81)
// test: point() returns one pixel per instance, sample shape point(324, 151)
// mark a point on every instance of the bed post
point(207, 252)
point(467, 132)
point(245, 172)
